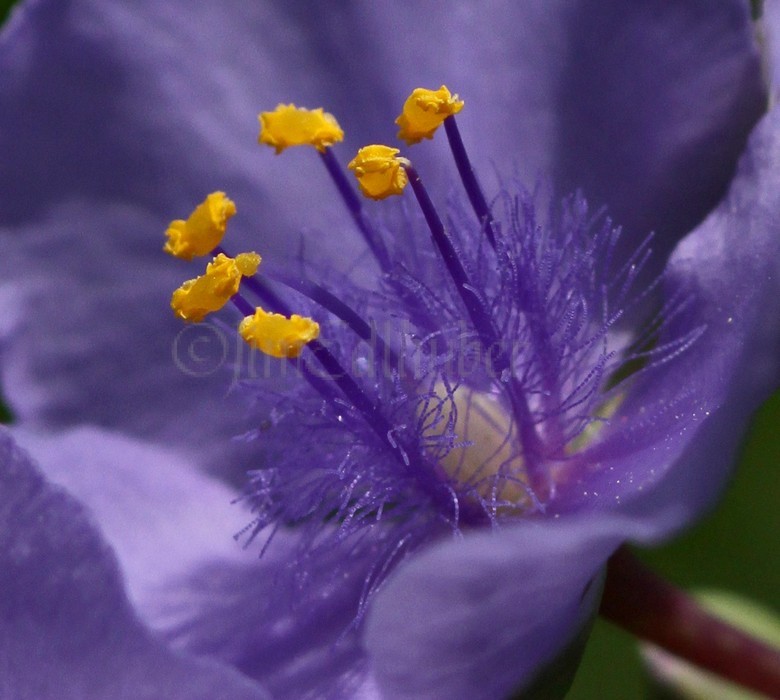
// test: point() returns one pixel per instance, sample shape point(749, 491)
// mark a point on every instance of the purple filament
point(485, 328)
point(336, 373)
point(477, 312)
point(355, 208)
point(331, 303)
point(242, 304)
point(320, 296)
point(469, 179)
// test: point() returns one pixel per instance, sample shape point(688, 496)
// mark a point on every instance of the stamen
point(480, 318)
point(490, 438)
point(423, 113)
point(379, 171)
point(289, 125)
point(328, 301)
point(469, 179)
point(332, 366)
point(203, 230)
point(355, 208)
point(331, 303)
point(277, 335)
point(352, 391)
point(210, 292)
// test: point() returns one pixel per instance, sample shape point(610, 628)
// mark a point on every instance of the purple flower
point(117, 117)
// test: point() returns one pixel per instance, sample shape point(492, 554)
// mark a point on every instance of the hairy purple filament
point(368, 407)
point(483, 324)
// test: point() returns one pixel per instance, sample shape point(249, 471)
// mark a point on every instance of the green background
point(735, 548)
point(4, 7)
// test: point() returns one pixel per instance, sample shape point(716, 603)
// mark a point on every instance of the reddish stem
point(647, 606)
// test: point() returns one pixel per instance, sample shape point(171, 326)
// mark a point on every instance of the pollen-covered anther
point(379, 171)
point(289, 125)
point(424, 111)
point(277, 335)
point(203, 230)
point(210, 292)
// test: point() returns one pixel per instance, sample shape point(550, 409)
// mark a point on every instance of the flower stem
point(647, 606)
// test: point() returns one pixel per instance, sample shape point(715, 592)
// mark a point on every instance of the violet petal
point(66, 628)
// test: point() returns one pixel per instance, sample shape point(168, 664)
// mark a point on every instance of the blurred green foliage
point(735, 549)
point(5, 413)
point(674, 678)
point(5, 7)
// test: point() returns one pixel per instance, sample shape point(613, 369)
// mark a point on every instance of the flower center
point(471, 381)
point(487, 460)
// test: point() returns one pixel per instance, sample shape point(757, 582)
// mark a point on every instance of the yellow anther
point(203, 231)
point(277, 335)
point(424, 111)
point(210, 292)
point(247, 263)
point(289, 125)
point(379, 171)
